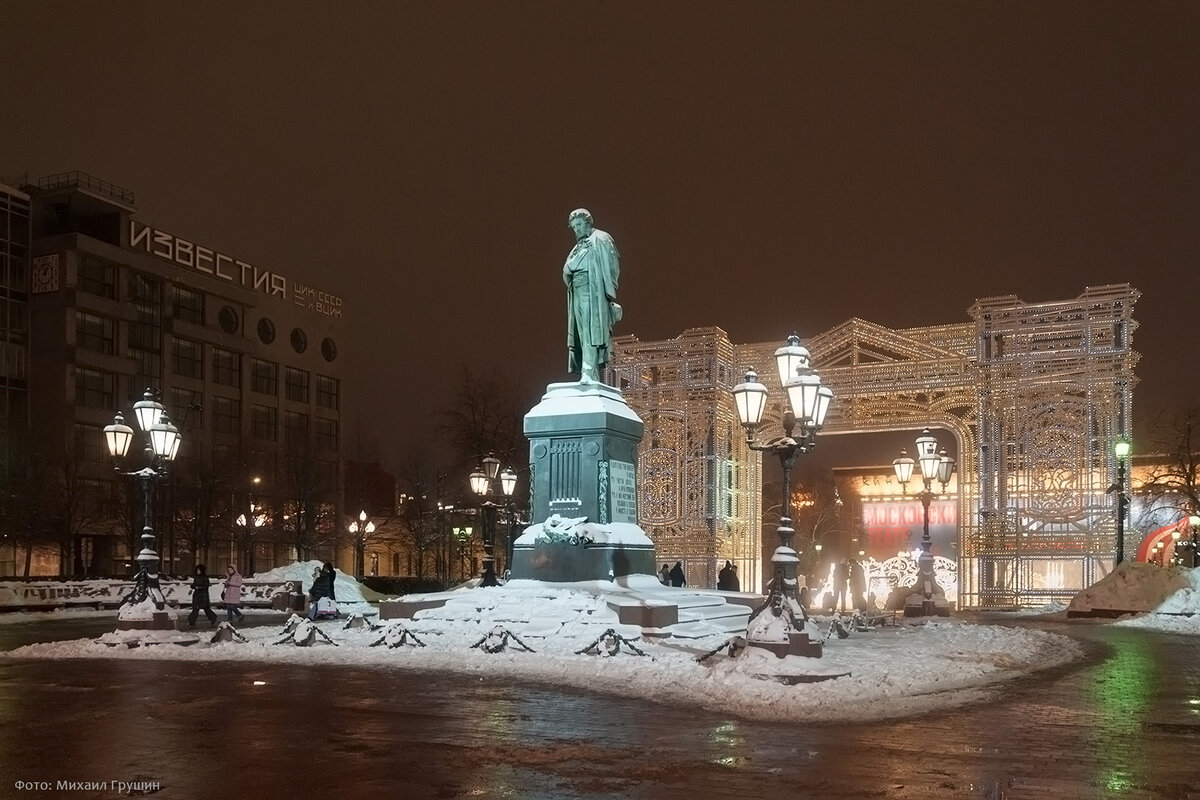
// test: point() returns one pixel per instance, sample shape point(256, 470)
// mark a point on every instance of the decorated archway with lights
point(1034, 394)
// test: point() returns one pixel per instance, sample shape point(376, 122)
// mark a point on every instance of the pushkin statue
point(590, 273)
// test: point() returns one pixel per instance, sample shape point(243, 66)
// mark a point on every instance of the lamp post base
point(798, 644)
point(158, 621)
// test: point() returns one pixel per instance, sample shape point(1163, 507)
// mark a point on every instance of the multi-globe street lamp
point(933, 465)
point(360, 532)
point(482, 485)
point(808, 403)
point(164, 441)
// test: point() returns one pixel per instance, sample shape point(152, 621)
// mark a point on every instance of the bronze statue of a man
point(590, 273)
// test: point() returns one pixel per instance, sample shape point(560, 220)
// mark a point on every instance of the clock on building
point(45, 274)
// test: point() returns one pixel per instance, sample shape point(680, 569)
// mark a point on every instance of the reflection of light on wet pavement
point(1122, 693)
point(730, 745)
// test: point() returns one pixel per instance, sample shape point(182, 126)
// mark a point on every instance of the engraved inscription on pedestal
point(622, 491)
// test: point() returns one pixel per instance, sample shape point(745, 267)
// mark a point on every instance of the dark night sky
point(763, 167)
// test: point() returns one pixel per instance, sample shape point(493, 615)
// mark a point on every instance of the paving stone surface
point(1125, 723)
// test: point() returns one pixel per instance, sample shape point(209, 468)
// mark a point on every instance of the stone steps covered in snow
point(632, 608)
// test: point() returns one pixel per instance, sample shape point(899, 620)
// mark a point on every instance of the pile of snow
point(1139, 587)
point(893, 672)
point(345, 588)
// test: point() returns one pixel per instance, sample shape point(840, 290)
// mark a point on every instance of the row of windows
point(97, 389)
point(99, 278)
point(93, 332)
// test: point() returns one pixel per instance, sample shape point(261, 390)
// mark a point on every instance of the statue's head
point(580, 221)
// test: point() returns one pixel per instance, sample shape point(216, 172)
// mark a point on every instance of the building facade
point(247, 361)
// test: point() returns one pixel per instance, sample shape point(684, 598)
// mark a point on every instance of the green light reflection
point(1121, 691)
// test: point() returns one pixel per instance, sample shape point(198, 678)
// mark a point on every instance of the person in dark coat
point(725, 578)
point(322, 587)
point(200, 584)
point(735, 585)
point(841, 576)
point(677, 578)
point(858, 585)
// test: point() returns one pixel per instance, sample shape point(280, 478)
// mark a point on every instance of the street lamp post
point(508, 485)
point(164, 441)
point(360, 530)
point(1121, 451)
point(933, 465)
point(481, 484)
point(1194, 523)
point(808, 402)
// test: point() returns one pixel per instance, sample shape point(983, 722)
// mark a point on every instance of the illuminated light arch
point(1165, 533)
point(1035, 394)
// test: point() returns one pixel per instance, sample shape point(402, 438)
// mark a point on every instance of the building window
point(97, 333)
point(187, 358)
point(327, 392)
point(187, 408)
point(264, 422)
point(228, 319)
point(266, 331)
point(98, 278)
point(264, 376)
point(227, 367)
point(94, 389)
point(146, 297)
point(327, 434)
point(295, 427)
point(296, 384)
point(147, 373)
point(226, 415)
point(187, 305)
point(328, 349)
point(299, 340)
point(89, 444)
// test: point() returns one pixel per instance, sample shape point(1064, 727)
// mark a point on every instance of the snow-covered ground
point(893, 671)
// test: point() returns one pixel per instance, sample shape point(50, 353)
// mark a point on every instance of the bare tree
point(1173, 482)
point(203, 498)
point(423, 496)
point(484, 418)
point(308, 499)
point(25, 499)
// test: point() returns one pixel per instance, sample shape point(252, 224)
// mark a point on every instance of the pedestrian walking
point(735, 585)
point(841, 576)
point(677, 578)
point(200, 584)
point(664, 575)
point(232, 594)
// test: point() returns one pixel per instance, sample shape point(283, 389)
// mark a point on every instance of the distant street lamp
point(247, 527)
point(933, 465)
point(1194, 523)
point(164, 441)
point(481, 484)
point(1121, 451)
point(360, 532)
point(808, 403)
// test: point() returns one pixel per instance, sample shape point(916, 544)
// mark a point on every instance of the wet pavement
point(1124, 723)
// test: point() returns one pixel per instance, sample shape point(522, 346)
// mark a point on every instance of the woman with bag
point(322, 587)
point(232, 595)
